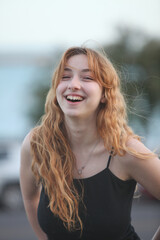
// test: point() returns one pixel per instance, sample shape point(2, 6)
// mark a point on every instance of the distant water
point(16, 82)
point(14, 96)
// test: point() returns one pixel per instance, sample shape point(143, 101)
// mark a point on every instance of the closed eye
point(87, 78)
point(65, 77)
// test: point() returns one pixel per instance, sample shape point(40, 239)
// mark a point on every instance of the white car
point(10, 194)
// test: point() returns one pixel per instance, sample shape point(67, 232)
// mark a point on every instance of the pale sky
point(46, 23)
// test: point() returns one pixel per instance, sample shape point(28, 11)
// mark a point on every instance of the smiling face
point(78, 94)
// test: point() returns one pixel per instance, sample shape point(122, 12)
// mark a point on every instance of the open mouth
point(74, 98)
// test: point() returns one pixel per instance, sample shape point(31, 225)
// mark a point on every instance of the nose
point(74, 83)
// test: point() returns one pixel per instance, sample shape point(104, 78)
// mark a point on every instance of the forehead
point(79, 62)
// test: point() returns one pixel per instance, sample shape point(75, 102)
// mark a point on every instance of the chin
point(73, 115)
point(76, 114)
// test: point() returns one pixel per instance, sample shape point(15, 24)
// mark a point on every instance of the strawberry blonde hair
point(53, 159)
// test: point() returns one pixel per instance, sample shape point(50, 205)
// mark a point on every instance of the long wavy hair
point(53, 159)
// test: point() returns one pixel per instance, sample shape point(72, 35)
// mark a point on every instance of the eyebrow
point(83, 70)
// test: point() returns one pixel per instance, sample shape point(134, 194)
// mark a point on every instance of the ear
point(103, 99)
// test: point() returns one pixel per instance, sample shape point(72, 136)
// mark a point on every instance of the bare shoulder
point(137, 145)
point(26, 149)
point(145, 170)
point(26, 142)
point(135, 159)
point(129, 159)
point(28, 184)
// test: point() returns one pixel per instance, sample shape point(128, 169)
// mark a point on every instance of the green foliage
point(137, 58)
point(38, 108)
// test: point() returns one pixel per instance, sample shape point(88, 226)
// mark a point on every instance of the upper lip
point(74, 95)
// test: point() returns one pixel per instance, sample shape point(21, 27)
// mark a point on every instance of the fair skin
point(30, 192)
point(80, 120)
point(77, 81)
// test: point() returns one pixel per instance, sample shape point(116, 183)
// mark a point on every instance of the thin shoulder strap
point(109, 159)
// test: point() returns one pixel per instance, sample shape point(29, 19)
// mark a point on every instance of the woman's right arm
point(30, 191)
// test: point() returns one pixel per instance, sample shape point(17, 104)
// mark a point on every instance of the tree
point(137, 59)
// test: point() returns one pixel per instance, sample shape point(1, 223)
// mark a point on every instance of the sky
point(35, 24)
point(41, 25)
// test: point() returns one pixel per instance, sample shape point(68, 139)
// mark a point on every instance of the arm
point(30, 192)
point(145, 171)
point(157, 235)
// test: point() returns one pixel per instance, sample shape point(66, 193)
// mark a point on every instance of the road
point(145, 219)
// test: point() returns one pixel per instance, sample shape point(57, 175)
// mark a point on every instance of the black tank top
point(108, 201)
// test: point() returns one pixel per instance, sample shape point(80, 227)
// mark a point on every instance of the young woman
point(80, 166)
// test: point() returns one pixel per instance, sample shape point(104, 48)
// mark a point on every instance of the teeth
point(74, 98)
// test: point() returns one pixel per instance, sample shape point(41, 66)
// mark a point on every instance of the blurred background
point(33, 36)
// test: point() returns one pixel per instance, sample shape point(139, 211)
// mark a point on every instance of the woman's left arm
point(145, 171)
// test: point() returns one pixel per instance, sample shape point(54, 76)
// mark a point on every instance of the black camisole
point(108, 201)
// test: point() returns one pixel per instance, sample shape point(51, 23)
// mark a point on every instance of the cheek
point(60, 89)
point(58, 94)
point(97, 91)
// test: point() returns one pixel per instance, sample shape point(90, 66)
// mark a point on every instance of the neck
point(81, 133)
